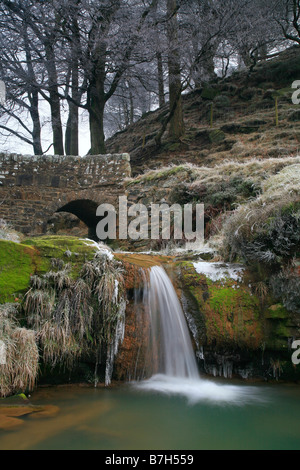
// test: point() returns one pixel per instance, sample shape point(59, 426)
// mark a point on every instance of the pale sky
point(14, 145)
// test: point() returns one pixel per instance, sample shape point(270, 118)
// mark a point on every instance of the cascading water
point(173, 359)
point(169, 331)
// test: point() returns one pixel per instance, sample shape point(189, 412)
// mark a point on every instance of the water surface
point(158, 415)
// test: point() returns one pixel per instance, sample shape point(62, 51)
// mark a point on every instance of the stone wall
point(33, 188)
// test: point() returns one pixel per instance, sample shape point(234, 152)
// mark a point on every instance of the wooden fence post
point(276, 112)
point(211, 115)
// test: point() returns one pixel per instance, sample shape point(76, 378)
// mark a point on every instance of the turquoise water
point(158, 416)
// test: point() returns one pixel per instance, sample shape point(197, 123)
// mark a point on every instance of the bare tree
point(287, 16)
point(43, 23)
point(18, 69)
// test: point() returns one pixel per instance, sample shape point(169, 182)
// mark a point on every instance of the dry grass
point(26, 360)
point(256, 169)
point(287, 181)
point(79, 316)
point(105, 276)
point(254, 220)
point(20, 370)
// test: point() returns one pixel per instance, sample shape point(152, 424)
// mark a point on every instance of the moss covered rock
point(216, 136)
point(230, 311)
point(18, 262)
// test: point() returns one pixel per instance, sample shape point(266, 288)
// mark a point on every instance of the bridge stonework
point(33, 188)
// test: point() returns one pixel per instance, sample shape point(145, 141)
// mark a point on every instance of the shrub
point(222, 101)
point(267, 229)
point(261, 232)
point(224, 193)
point(286, 286)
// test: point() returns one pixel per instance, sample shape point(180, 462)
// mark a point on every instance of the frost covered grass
point(72, 297)
point(286, 182)
point(267, 228)
point(8, 233)
point(19, 371)
point(256, 169)
point(224, 187)
point(266, 232)
point(76, 317)
point(219, 271)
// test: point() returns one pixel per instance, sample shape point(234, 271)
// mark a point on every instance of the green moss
point(278, 336)
point(277, 312)
point(282, 331)
point(17, 263)
point(221, 298)
point(216, 136)
point(70, 249)
point(51, 245)
point(231, 313)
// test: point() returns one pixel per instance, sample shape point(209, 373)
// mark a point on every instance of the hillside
point(244, 120)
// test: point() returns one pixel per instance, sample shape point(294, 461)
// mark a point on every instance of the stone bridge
point(33, 189)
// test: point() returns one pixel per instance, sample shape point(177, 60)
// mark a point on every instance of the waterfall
point(173, 360)
point(170, 339)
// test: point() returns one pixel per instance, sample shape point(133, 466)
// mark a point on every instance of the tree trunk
point(131, 104)
point(54, 101)
point(72, 129)
point(97, 101)
point(71, 138)
point(176, 124)
point(56, 123)
point(160, 77)
point(96, 116)
point(36, 130)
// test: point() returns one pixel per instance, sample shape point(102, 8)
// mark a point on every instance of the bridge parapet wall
point(32, 188)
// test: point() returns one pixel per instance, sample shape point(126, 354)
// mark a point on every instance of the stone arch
point(84, 210)
point(38, 186)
